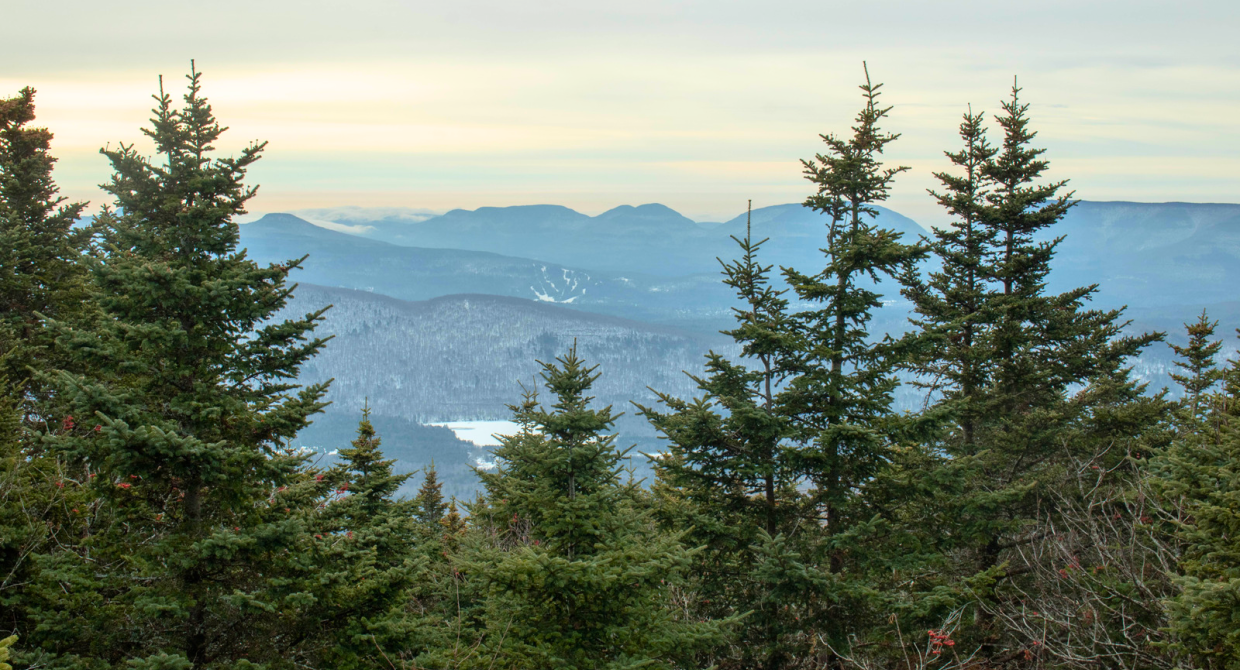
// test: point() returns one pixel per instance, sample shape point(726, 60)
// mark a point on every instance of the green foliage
point(40, 272)
point(368, 546)
point(953, 307)
point(771, 468)
point(841, 380)
point(727, 476)
point(177, 418)
point(431, 507)
point(578, 577)
point(1033, 382)
point(1199, 480)
point(1197, 361)
point(41, 276)
point(5, 645)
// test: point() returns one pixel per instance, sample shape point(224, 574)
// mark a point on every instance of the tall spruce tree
point(40, 277)
point(841, 381)
point(727, 475)
point(841, 378)
point(1043, 345)
point(952, 306)
point(578, 576)
point(815, 413)
point(370, 545)
point(1034, 380)
point(40, 270)
point(1198, 479)
point(196, 553)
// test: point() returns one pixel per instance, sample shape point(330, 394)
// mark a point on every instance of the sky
point(700, 106)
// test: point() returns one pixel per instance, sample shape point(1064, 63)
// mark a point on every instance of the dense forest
point(1042, 509)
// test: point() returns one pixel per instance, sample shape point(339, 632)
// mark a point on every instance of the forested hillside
point(414, 273)
point(908, 451)
point(468, 357)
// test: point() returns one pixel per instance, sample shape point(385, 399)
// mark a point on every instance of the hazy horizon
point(698, 106)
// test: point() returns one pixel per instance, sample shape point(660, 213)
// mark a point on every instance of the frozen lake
point(480, 432)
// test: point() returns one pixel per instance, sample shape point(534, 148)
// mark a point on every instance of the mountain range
point(443, 317)
point(648, 239)
point(418, 273)
point(1138, 253)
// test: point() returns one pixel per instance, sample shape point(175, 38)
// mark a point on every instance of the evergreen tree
point(579, 576)
point(367, 476)
point(727, 474)
point(40, 272)
point(1042, 344)
point(1198, 479)
point(200, 559)
point(431, 507)
point(1196, 359)
point(369, 545)
point(1034, 381)
point(841, 384)
point(770, 466)
point(40, 277)
point(953, 306)
point(839, 391)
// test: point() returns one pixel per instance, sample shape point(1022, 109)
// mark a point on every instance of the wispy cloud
point(697, 105)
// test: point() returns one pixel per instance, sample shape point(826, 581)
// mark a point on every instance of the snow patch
point(481, 433)
point(559, 289)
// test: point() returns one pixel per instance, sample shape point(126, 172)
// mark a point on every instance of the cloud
point(339, 227)
point(699, 105)
point(355, 215)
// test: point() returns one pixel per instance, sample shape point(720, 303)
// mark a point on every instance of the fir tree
point(580, 577)
point(1199, 481)
point(953, 306)
point(815, 416)
point(431, 506)
point(1042, 344)
point(40, 272)
point(369, 546)
point(840, 379)
point(841, 382)
point(727, 474)
point(367, 476)
point(1034, 381)
point(40, 277)
point(1196, 359)
point(181, 421)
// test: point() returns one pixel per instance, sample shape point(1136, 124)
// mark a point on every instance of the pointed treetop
point(430, 498)
point(1197, 360)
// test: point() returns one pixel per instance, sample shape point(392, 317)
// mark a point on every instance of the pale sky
point(697, 105)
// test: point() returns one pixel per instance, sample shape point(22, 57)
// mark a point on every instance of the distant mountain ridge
point(1150, 254)
point(1139, 253)
point(416, 273)
point(452, 356)
point(649, 239)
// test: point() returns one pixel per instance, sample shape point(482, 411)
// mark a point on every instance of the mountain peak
point(281, 221)
point(519, 213)
point(648, 213)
